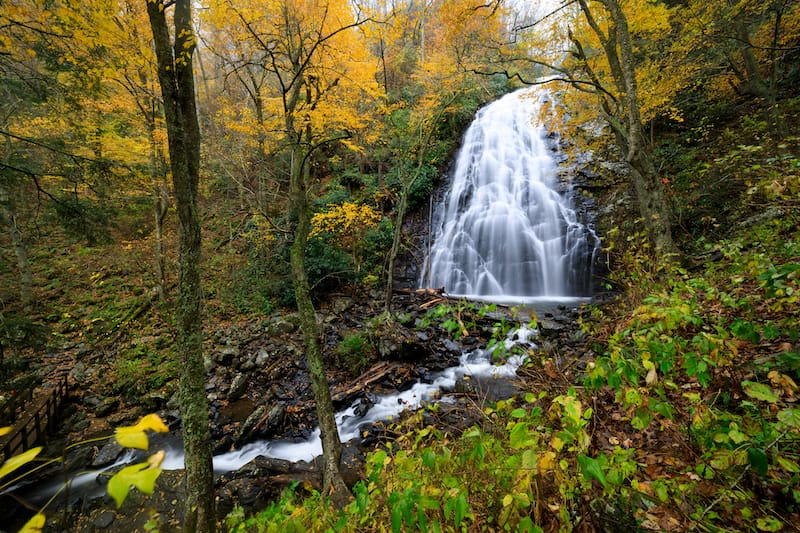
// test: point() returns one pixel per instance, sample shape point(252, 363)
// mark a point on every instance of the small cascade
point(504, 232)
point(477, 364)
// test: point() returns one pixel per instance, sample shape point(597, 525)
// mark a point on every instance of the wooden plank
point(33, 425)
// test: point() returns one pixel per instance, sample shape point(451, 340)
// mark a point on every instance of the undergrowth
point(685, 419)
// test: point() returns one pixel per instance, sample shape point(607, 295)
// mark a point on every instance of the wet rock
point(164, 507)
point(280, 325)
point(104, 520)
point(342, 305)
point(108, 454)
point(250, 494)
point(122, 418)
point(208, 363)
point(79, 458)
point(172, 403)
point(248, 364)
point(91, 401)
point(262, 358)
point(81, 373)
point(226, 354)
point(155, 401)
point(351, 465)
point(76, 423)
point(464, 386)
point(246, 429)
point(262, 480)
point(274, 422)
point(223, 445)
point(106, 407)
point(238, 387)
point(451, 345)
point(363, 405)
point(496, 388)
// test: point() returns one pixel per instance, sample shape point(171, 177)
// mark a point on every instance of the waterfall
point(504, 231)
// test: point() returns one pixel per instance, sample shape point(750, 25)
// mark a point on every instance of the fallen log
point(376, 373)
point(433, 291)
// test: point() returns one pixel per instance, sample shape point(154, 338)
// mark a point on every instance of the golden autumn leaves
point(143, 475)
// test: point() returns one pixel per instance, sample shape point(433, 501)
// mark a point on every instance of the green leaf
point(788, 464)
point(518, 413)
point(591, 469)
point(530, 460)
point(769, 524)
point(18, 461)
point(429, 458)
point(519, 437)
point(790, 417)
point(142, 476)
point(461, 509)
point(759, 391)
point(397, 519)
point(529, 397)
point(473, 432)
point(526, 526)
point(758, 460)
point(737, 436)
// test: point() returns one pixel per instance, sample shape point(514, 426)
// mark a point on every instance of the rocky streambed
point(258, 390)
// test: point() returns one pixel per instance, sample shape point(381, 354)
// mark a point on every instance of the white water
point(504, 232)
point(77, 485)
point(476, 364)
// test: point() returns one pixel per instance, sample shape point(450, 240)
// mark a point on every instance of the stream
point(477, 364)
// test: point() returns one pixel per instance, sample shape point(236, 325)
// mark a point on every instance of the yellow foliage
point(260, 232)
point(135, 436)
point(305, 66)
point(347, 224)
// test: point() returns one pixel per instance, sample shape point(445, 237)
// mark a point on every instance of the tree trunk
point(652, 203)
point(20, 250)
point(650, 195)
point(160, 201)
point(333, 484)
point(177, 86)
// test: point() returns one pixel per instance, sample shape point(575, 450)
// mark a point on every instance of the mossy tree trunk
point(9, 219)
point(333, 484)
point(626, 121)
point(177, 87)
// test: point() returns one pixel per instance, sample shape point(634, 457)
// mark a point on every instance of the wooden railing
point(10, 411)
point(35, 422)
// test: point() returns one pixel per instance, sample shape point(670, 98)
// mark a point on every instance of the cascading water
point(503, 231)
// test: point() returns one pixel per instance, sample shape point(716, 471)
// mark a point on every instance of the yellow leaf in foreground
point(143, 476)
point(156, 459)
point(19, 460)
point(131, 437)
point(5, 430)
point(135, 436)
point(152, 422)
point(34, 525)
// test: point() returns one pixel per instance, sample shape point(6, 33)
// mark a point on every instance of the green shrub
point(355, 353)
